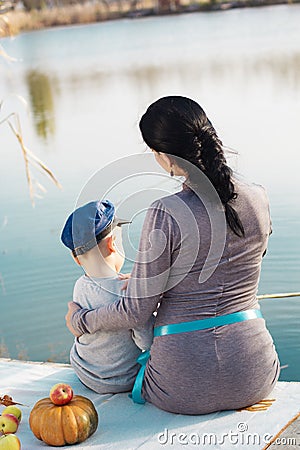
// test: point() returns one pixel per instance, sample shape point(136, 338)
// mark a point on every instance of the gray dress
point(177, 274)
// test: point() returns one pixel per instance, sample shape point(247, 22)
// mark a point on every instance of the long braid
point(208, 155)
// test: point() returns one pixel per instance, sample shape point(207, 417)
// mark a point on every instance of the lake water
point(85, 89)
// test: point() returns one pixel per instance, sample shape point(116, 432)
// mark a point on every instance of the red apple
point(10, 442)
point(61, 394)
point(14, 410)
point(8, 423)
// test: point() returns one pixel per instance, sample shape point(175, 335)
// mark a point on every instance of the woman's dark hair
point(178, 126)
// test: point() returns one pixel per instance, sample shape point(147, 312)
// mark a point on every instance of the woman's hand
point(72, 308)
point(126, 277)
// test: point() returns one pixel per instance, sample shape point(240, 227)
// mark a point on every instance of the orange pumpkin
point(66, 424)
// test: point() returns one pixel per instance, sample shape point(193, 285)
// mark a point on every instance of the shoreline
point(18, 21)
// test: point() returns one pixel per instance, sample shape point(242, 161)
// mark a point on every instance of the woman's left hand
point(72, 308)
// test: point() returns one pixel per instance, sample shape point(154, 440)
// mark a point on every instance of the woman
point(222, 366)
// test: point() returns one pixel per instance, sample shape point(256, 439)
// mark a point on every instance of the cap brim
point(117, 221)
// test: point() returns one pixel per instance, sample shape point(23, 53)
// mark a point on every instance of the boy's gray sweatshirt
point(105, 361)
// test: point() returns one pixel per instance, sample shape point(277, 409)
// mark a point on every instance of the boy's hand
point(124, 276)
point(72, 308)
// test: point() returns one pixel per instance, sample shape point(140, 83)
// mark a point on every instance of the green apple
point(10, 442)
point(14, 410)
point(8, 423)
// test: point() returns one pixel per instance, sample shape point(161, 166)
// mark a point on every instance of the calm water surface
point(85, 89)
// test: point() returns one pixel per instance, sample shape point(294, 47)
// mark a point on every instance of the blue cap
point(87, 225)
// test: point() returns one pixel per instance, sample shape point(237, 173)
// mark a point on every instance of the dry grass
point(30, 160)
point(5, 30)
point(22, 352)
point(80, 13)
point(4, 353)
point(92, 11)
point(65, 15)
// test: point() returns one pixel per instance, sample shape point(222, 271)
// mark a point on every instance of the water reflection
point(42, 104)
point(281, 69)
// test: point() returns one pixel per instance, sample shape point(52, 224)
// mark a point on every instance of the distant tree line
point(6, 5)
point(28, 5)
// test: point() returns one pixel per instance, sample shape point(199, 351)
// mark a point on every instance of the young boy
point(104, 361)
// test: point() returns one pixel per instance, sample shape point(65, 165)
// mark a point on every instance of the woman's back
point(233, 282)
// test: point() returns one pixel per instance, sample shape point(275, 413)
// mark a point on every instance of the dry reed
point(30, 160)
point(35, 187)
point(60, 16)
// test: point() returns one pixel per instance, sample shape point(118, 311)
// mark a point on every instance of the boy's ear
point(110, 242)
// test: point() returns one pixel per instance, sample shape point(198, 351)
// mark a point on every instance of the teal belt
point(186, 327)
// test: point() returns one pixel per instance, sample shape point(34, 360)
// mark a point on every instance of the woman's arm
point(72, 308)
point(148, 281)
